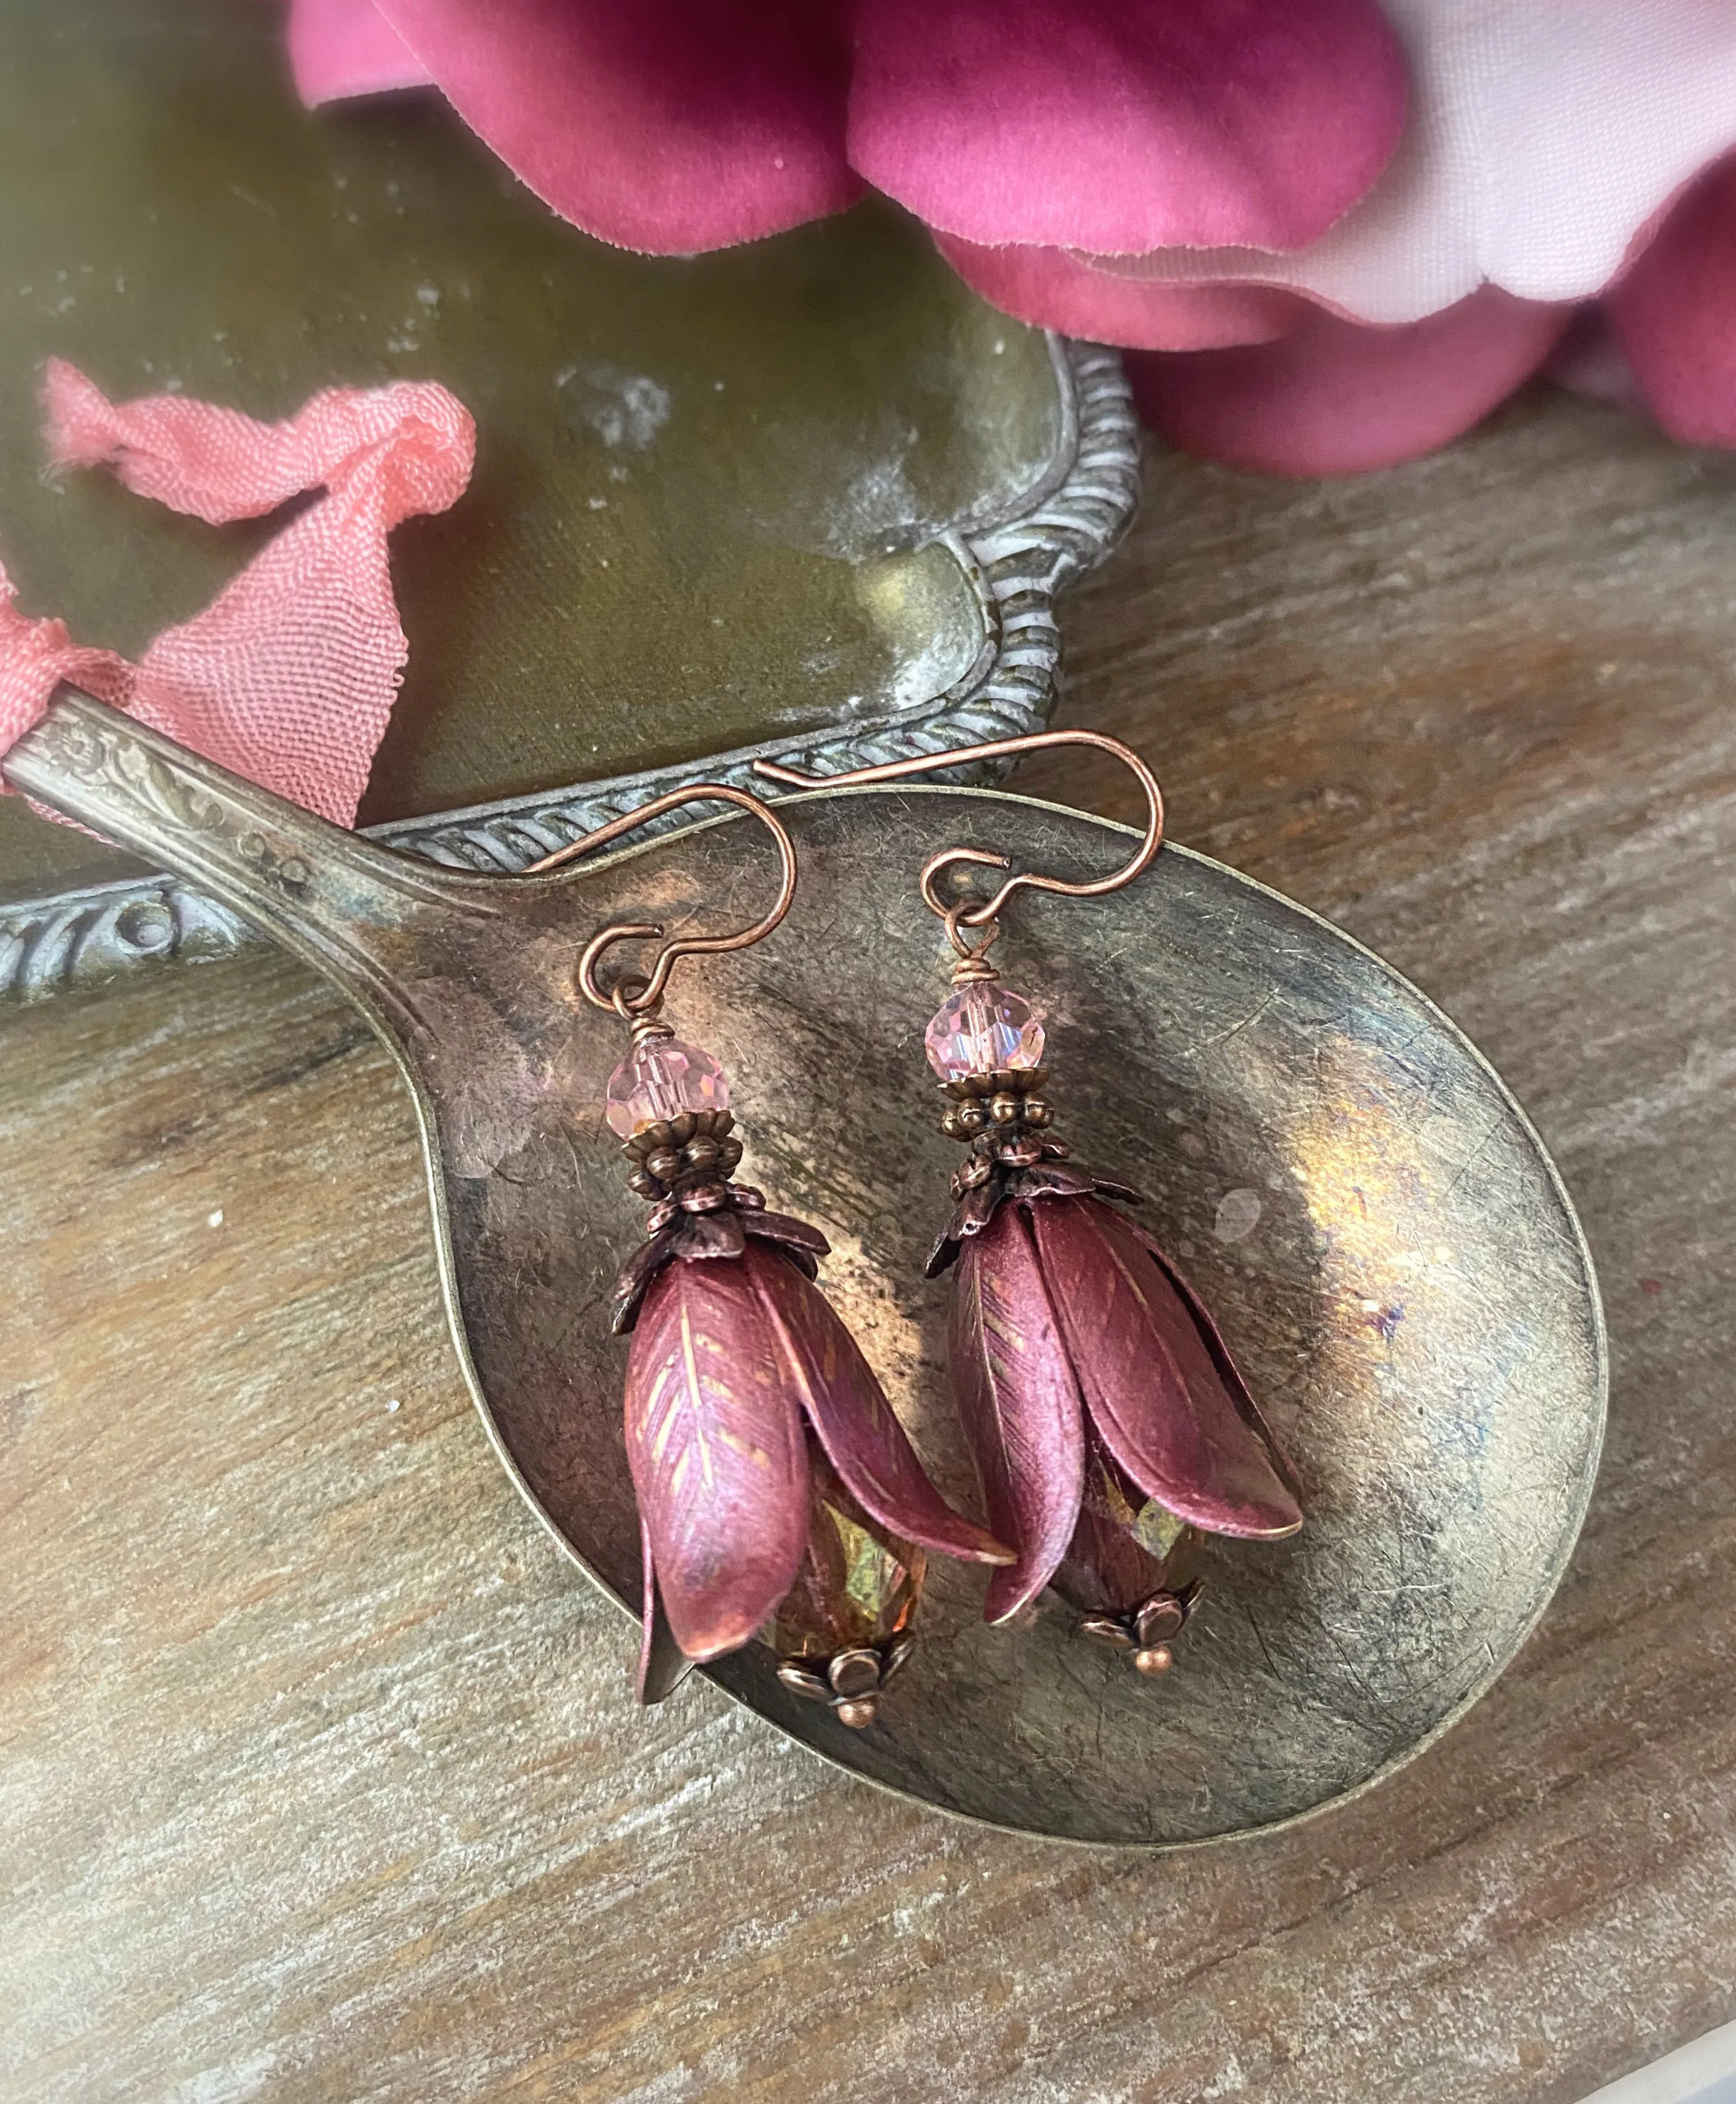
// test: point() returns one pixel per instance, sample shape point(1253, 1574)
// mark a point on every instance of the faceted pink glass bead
point(660, 1079)
point(983, 1029)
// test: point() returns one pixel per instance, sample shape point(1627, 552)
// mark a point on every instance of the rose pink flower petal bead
point(660, 1079)
point(983, 1029)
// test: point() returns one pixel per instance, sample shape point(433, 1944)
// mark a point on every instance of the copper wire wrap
point(637, 999)
point(973, 968)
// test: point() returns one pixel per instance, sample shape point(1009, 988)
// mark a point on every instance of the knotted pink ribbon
point(289, 676)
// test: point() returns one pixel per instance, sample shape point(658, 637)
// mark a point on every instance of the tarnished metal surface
point(1367, 1213)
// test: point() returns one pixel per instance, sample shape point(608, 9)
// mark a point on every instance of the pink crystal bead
point(661, 1078)
point(983, 1029)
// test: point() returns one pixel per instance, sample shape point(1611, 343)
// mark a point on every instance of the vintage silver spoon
point(1367, 1211)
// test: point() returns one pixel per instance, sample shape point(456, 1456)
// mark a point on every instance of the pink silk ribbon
point(289, 675)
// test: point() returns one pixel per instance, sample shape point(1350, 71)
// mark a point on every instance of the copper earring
point(778, 1495)
point(1111, 1427)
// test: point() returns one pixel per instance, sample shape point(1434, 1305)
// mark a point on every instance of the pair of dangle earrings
point(778, 1493)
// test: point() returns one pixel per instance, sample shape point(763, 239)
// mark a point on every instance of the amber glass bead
point(859, 1584)
point(1125, 1546)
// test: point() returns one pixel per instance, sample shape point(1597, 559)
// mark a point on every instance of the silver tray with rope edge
point(808, 494)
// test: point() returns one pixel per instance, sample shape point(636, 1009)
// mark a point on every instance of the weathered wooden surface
point(318, 1776)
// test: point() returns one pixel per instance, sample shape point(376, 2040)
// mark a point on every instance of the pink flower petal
point(662, 125)
point(716, 1448)
point(824, 1367)
point(342, 47)
point(1152, 1387)
point(1546, 134)
point(662, 1663)
point(1054, 289)
point(1019, 1403)
point(1126, 124)
point(1336, 398)
point(1674, 315)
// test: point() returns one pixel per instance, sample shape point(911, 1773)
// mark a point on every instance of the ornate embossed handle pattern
point(335, 899)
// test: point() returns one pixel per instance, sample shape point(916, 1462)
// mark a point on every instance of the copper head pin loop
point(637, 1000)
point(972, 913)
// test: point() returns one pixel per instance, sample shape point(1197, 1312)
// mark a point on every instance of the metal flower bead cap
point(1083, 1362)
point(757, 1437)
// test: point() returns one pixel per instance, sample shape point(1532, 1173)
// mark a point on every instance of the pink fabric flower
point(1126, 125)
point(1333, 233)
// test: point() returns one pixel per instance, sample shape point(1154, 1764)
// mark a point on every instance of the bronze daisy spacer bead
point(675, 1133)
point(675, 1155)
point(1014, 1080)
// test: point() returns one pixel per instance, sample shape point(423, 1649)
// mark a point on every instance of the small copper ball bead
point(950, 1125)
point(701, 1153)
point(664, 1164)
point(646, 1186)
point(856, 1714)
point(729, 1155)
point(971, 1117)
point(1038, 1111)
point(1005, 1109)
point(1154, 1659)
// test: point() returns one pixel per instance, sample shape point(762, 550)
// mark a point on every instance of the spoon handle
point(350, 908)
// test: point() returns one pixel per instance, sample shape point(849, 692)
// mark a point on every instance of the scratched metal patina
point(1365, 1210)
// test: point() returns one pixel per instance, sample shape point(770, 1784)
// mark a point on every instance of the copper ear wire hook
point(648, 996)
point(978, 916)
